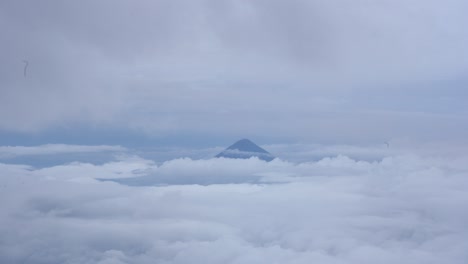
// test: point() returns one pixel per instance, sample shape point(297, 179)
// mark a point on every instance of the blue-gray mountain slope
point(245, 149)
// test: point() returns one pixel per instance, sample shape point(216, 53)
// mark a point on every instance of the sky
point(108, 136)
point(206, 73)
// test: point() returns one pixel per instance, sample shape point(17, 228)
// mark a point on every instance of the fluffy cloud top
point(403, 208)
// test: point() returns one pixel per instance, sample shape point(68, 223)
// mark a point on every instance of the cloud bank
point(403, 208)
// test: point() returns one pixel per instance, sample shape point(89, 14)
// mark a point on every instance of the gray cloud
point(50, 149)
point(161, 67)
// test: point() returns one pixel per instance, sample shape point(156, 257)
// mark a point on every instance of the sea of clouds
point(400, 208)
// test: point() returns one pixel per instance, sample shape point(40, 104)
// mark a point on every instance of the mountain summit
point(245, 149)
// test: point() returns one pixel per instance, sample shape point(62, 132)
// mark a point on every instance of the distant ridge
point(245, 149)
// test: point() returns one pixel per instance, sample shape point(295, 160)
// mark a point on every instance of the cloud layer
point(390, 68)
point(403, 208)
point(51, 149)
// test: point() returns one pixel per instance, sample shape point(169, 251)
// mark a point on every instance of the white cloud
point(404, 208)
point(302, 152)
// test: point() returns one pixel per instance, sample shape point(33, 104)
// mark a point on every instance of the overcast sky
point(275, 71)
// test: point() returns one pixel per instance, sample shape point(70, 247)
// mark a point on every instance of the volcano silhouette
point(245, 149)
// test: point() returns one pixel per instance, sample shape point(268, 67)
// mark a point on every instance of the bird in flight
point(25, 67)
